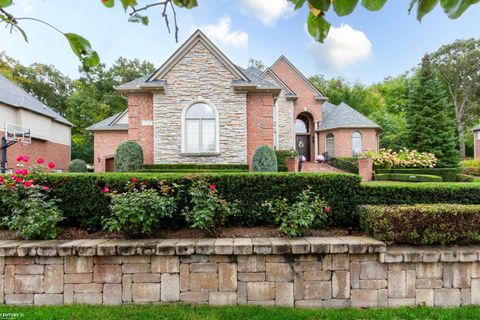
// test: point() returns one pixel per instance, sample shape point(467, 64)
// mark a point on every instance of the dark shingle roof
point(477, 128)
point(106, 124)
point(344, 116)
point(15, 96)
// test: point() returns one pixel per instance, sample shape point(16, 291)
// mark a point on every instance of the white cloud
point(24, 6)
point(268, 11)
point(343, 47)
point(221, 34)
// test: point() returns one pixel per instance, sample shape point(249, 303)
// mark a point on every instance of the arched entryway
point(303, 135)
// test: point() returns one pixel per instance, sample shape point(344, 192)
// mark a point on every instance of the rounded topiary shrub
point(77, 165)
point(128, 157)
point(264, 160)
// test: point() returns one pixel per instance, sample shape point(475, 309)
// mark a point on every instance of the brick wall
point(312, 272)
point(140, 123)
point(477, 145)
point(105, 144)
point(343, 141)
point(259, 123)
point(50, 151)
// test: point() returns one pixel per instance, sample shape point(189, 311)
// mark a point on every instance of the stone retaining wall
point(305, 272)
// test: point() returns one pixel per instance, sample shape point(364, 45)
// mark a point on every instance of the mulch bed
point(237, 232)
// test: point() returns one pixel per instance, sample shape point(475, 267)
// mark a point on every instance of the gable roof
point(343, 116)
point(288, 92)
point(319, 95)
point(14, 96)
point(110, 123)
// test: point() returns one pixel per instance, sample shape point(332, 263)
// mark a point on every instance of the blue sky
point(365, 46)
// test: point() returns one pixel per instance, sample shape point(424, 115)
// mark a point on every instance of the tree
point(429, 123)
point(256, 63)
point(458, 64)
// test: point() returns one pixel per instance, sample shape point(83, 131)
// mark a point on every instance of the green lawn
point(178, 312)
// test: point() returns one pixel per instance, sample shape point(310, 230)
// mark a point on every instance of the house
point(476, 142)
point(50, 132)
point(199, 107)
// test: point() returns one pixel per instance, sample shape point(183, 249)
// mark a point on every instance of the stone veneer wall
point(199, 75)
point(306, 272)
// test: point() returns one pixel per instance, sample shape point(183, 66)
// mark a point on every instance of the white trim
point(118, 117)
point(217, 122)
point(275, 133)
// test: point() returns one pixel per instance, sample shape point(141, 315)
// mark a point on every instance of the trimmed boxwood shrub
point(77, 165)
point(264, 160)
point(84, 204)
point(128, 157)
point(422, 224)
point(465, 178)
point(448, 174)
point(407, 177)
point(195, 166)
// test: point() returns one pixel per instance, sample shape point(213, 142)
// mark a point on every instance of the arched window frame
point(306, 123)
point(357, 138)
point(330, 136)
point(217, 126)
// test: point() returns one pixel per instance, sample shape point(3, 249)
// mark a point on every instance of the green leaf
point(298, 3)
point(344, 7)
point(144, 20)
point(128, 3)
point(5, 3)
point(82, 48)
point(318, 27)
point(188, 4)
point(424, 7)
point(373, 5)
point(455, 8)
point(107, 3)
point(138, 18)
point(323, 5)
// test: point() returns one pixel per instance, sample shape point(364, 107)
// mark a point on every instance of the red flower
point(13, 177)
point(45, 188)
point(19, 158)
point(18, 179)
point(134, 180)
point(51, 165)
point(2, 180)
point(106, 190)
point(40, 160)
point(212, 186)
point(18, 171)
point(25, 158)
point(327, 209)
point(28, 183)
point(24, 172)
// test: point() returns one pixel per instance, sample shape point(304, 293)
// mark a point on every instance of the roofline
point(68, 123)
point(352, 127)
point(121, 114)
point(106, 129)
point(282, 57)
point(277, 79)
point(186, 46)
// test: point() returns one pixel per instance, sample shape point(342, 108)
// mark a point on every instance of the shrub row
point(196, 166)
point(422, 224)
point(84, 204)
point(473, 171)
point(407, 177)
point(465, 178)
point(191, 170)
point(448, 174)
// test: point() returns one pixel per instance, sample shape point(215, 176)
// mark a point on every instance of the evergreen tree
point(430, 124)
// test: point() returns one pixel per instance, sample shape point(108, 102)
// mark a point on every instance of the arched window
point(356, 143)
point(200, 129)
point(301, 125)
point(330, 145)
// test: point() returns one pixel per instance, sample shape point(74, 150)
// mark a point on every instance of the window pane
point(356, 143)
point(192, 135)
point(200, 111)
point(301, 126)
point(208, 135)
point(330, 145)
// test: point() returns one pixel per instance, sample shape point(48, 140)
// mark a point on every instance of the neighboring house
point(199, 107)
point(476, 142)
point(50, 132)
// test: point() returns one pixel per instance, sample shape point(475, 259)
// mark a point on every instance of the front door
point(109, 165)
point(303, 146)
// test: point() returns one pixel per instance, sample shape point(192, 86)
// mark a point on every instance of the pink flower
point(18, 171)
point(18, 179)
point(28, 183)
point(327, 209)
point(51, 165)
point(212, 186)
point(24, 172)
point(25, 158)
point(45, 188)
point(134, 180)
point(13, 177)
point(40, 160)
point(106, 190)
point(2, 180)
point(19, 158)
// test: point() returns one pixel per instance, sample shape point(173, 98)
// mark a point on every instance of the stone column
point(365, 169)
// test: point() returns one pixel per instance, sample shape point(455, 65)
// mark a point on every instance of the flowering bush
point(139, 210)
point(405, 158)
point(208, 210)
point(306, 212)
point(28, 207)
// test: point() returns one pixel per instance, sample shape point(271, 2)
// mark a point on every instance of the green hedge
point(346, 164)
point(411, 193)
point(407, 177)
point(473, 171)
point(84, 204)
point(196, 166)
point(422, 224)
point(191, 170)
point(465, 178)
point(448, 174)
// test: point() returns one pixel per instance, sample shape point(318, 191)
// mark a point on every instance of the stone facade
point(303, 272)
point(199, 76)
